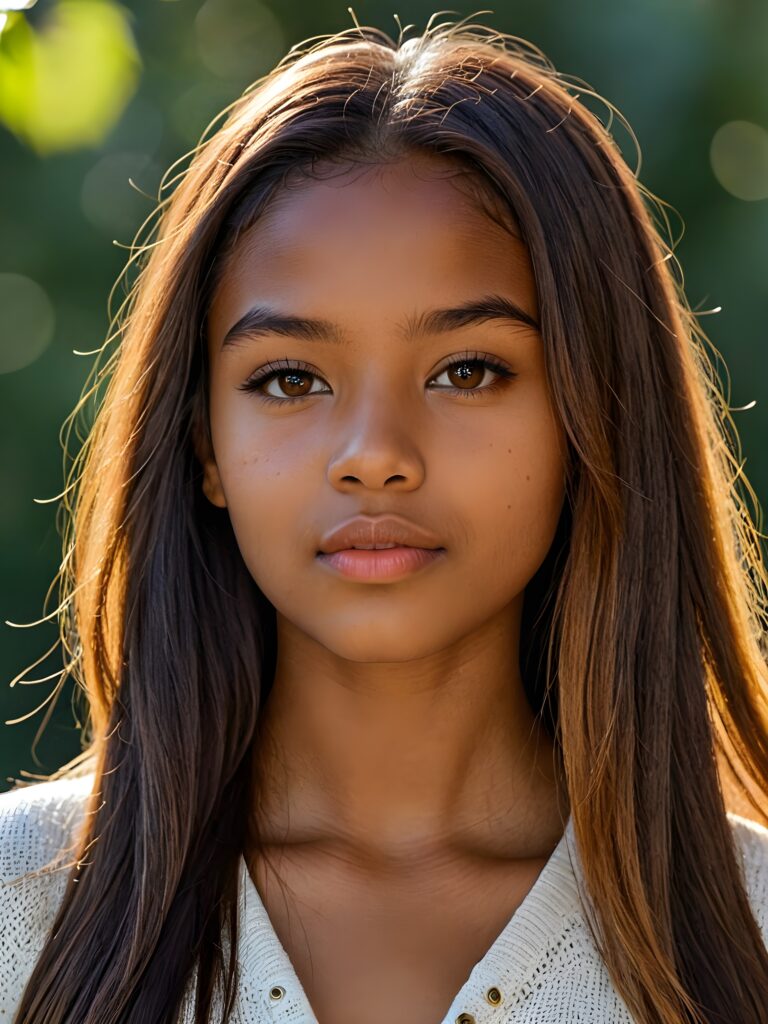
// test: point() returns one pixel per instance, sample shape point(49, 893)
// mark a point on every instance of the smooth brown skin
point(408, 796)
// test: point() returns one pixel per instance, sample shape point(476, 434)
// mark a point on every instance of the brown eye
point(294, 383)
point(467, 374)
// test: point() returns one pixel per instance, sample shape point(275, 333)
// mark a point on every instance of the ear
point(212, 487)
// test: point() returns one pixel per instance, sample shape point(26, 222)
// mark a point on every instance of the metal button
point(465, 1018)
point(493, 996)
point(276, 992)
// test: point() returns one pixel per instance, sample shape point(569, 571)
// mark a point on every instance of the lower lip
point(384, 564)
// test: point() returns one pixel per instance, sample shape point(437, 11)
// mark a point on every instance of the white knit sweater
point(543, 967)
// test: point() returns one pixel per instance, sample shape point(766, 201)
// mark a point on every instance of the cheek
point(270, 490)
point(511, 494)
point(267, 506)
point(253, 455)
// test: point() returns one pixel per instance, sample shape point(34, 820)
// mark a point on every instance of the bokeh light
point(236, 39)
point(26, 321)
point(66, 83)
point(194, 108)
point(739, 157)
point(108, 199)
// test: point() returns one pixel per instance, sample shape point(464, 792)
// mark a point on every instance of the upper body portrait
point(421, 628)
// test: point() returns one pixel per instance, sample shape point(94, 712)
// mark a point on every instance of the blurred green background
point(97, 100)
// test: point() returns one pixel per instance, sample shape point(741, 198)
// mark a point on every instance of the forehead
point(409, 233)
point(419, 197)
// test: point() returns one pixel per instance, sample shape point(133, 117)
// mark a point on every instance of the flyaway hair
point(643, 635)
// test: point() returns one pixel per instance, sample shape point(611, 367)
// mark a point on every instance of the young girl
point(420, 621)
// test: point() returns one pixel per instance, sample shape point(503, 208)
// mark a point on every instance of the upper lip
point(367, 530)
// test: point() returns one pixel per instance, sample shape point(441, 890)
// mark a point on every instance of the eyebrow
point(262, 319)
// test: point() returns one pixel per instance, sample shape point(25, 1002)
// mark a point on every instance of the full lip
point(385, 529)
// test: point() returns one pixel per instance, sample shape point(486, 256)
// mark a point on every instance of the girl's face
point(382, 410)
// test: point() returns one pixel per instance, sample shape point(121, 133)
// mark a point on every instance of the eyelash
point(274, 369)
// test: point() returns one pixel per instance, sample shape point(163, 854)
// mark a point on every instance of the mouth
point(377, 547)
point(380, 562)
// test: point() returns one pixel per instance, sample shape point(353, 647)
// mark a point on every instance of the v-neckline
point(271, 985)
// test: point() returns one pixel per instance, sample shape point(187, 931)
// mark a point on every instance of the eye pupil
point(297, 378)
point(468, 372)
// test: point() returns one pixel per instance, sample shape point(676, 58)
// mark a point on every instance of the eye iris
point(297, 378)
point(470, 373)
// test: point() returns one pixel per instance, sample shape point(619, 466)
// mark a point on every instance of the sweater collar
point(552, 906)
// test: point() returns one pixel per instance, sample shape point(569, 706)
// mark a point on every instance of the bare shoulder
point(752, 844)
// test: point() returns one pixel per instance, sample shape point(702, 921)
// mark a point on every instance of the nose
point(377, 446)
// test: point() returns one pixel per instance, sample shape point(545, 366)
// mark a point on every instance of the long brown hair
point(643, 633)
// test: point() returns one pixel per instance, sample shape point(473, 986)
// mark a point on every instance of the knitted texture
point(543, 967)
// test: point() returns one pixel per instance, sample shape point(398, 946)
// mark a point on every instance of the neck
point(405, 760)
